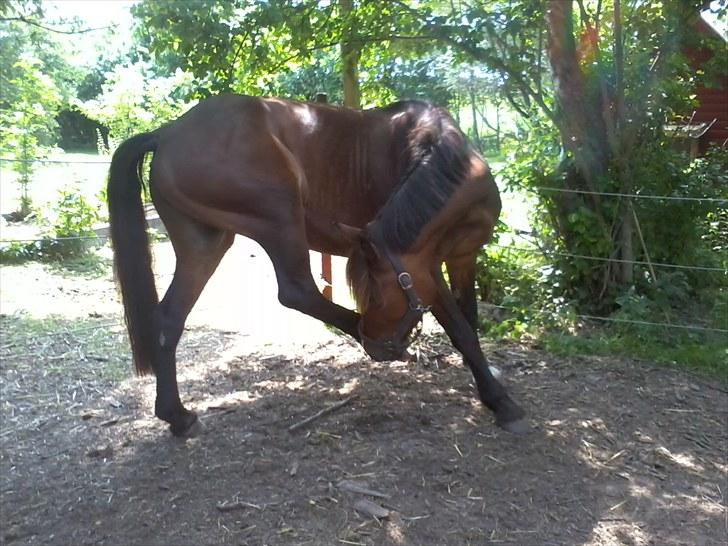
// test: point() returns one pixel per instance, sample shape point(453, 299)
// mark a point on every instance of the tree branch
point(27, 21)
point(517, 107)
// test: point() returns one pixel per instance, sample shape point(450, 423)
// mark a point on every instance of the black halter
point(411, 320)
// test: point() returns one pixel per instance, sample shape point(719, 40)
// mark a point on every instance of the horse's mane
point(361, 283)
point(438, 157)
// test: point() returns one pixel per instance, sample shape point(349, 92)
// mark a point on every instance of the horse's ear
point(351, 233)
point(357, 237)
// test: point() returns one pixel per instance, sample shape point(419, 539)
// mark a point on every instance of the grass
point(562, 334)
point(707, 354)
point(73, 347)
point(90, 264)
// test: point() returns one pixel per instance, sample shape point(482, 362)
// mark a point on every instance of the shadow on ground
point(622, 452)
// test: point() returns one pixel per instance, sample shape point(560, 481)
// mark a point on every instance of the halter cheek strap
point(405, 283)
point(410, 320)
point(415, 308)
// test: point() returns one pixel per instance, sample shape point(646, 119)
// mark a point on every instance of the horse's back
point(261, 157)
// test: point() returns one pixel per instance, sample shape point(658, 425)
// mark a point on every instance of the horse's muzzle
point(393, 348)
point(384, 351)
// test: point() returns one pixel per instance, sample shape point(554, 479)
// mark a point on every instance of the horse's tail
point(132, 255)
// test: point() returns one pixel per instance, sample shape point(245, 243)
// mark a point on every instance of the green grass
point(701, 353)
point(562, 334)
point(90, 265)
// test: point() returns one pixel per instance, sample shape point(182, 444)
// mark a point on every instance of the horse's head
point(385, 295)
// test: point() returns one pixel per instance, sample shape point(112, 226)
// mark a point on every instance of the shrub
point(69, 235)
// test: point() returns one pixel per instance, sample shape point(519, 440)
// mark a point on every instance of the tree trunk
point(626, 235)
point(473, 107)
point(586, 123)
point(582, 127)
point(350, 53)
point(497, 128)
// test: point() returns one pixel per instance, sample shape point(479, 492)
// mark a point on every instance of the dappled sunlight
point(228, 400)
point(38, 291)
point(349, 386)
point(620, 532)
point(273, 385)
point(685, 460)
point(283, 425)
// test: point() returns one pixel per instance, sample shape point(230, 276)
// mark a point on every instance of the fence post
point(326, 258)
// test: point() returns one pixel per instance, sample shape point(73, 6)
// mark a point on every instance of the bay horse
point(398, 190)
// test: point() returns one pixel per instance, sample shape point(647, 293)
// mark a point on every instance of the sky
point(97, 13)
point(94, 14)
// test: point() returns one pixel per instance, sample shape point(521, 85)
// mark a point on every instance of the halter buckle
point(405, 280)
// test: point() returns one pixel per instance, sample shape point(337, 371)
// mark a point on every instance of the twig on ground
point(361, 488)
point(319, 414)
point(230, 506)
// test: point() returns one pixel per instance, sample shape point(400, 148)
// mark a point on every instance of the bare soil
point(622, 452)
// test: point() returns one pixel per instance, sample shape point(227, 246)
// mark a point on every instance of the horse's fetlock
point(292, 298)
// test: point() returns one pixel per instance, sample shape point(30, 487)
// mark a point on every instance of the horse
point(399, 190)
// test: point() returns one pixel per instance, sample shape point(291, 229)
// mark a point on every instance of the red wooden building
point(709, 122)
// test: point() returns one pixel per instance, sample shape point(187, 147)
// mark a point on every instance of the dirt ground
point(622, 452)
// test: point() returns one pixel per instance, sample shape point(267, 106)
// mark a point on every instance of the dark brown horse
point(399, 190)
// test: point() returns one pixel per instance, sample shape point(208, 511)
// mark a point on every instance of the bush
point(70, 234)
point(543, 294)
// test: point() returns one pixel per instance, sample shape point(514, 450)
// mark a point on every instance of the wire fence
point(54, 161)
point(548, 252)
point(624, 321)
point(716, 200)
point(515, 248)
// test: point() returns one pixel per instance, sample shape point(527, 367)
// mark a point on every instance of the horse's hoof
point(189, 429)
point(519, 426)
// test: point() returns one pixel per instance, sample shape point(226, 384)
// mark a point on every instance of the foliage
point(246, 46)
point(706, 354)
point(27, 127)
point(39, 76)
point(31, 77)
point(69, 233)
point(526, 305)
point(133, 102)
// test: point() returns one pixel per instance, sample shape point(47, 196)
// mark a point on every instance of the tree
point(593, 80)
point(133, 101)
point(35, 80)
point(615, 78)
point(350, 54)
point(246, 46)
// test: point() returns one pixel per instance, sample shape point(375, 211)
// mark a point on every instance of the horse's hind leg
point(198, 249)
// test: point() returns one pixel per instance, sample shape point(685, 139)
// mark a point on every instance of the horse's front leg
point(288, 250)
point(508, 414)
point(461, 272)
